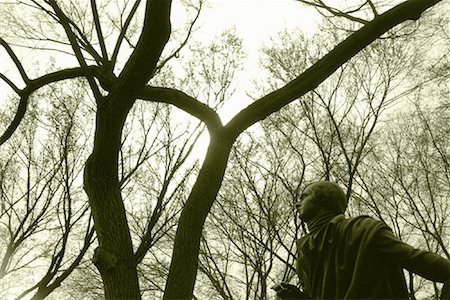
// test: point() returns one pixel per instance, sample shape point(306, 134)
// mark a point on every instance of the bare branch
point(20, 113)
point(65, 21)
point(141, 65)
point(124, 31)
point(183, 44)
point(44, 289)
point(336, 12)
point(347, 15)
point(148, 237)
point(15, 59)
point(34, 85)
point(98, 28)
point(63, 75)
point(86, 45)
point(10, 83)
point(184, 102)
point(372, 6)
point(322, 69)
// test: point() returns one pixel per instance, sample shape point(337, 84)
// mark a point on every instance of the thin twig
point(183, 44)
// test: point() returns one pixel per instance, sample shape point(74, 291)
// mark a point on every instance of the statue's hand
point(445, 294)
point(287, 291)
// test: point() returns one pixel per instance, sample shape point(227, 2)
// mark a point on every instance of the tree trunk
point(114, 256)
point(183, 268)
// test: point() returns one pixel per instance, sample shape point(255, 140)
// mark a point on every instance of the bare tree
point(403, 181)
point(331, 135)
point(44, 216)
point(407, 186)
point(116, 85)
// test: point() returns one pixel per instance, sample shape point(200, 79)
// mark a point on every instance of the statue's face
point(306, 207)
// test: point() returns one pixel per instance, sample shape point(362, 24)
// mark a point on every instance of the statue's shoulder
point(364, 219)
point(362, 224)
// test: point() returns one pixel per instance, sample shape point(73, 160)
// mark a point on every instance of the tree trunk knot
point(104, 259)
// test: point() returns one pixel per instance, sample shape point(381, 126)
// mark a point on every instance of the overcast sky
point(255, 21)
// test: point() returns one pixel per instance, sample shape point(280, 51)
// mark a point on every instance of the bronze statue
point(353, 258)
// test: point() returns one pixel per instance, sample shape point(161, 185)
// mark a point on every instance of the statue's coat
point(360, 258)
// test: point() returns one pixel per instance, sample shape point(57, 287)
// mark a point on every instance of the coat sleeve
point(426, 264)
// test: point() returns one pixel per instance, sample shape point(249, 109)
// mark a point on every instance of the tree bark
point(183, 268)
point(114, 256)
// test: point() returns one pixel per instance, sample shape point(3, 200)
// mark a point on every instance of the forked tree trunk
point(183, 268)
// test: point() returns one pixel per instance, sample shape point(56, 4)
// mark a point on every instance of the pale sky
point(256, 21)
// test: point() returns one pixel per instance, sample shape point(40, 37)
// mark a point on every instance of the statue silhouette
point(354, 258)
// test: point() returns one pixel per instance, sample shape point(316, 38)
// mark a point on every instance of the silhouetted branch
point(15, 59)
point(372, 6)
point(141, 65)
point(183, 44)
point(336, 12)
point(34, 85)
point(10, 83)
point(322, 69)
point(148, 238)
point(183, 101)
point(44, 289)
point(98, 28)
point(65, 21)
point(123, 31)
point(20, 113)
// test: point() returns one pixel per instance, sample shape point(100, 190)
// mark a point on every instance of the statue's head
point(321, 197)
